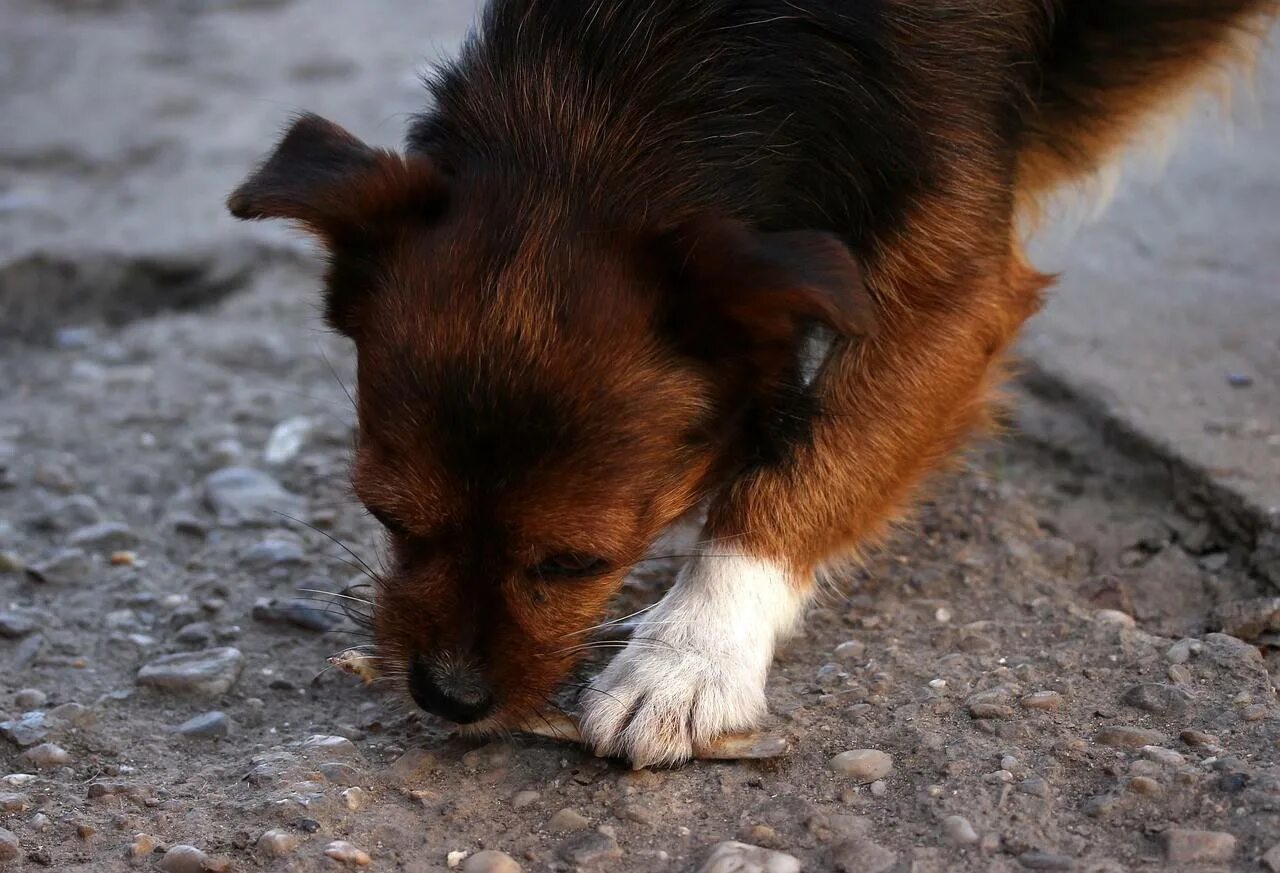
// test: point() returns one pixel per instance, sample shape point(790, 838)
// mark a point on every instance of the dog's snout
point(457, 692)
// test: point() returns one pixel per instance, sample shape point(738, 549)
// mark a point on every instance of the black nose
point(457, 693)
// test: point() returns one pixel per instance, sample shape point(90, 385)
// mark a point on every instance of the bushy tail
point(1104, 67)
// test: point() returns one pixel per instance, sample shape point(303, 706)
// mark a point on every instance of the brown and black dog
point(646, 255)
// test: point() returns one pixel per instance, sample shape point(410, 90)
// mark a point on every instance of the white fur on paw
point(696, 666)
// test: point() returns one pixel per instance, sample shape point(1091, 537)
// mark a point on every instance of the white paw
point(696, 665)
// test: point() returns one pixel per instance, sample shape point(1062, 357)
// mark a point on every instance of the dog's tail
point(1101, 68)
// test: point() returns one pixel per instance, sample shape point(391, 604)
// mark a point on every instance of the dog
point(645, 256)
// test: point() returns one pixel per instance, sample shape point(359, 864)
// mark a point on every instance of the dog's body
point(645, 255)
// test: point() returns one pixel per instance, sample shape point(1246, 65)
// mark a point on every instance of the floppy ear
point(334, 185)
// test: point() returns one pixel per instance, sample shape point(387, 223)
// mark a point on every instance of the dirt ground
point(1065, 655)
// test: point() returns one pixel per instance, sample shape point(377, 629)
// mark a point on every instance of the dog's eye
point(393, 527)
point(571, 565)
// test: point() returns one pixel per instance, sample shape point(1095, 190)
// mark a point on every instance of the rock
point(1047, 701)
point(567, 820)
point(1045, 861)
point(354, 798)
point(303, 613)
point(412, 767)
point(1271, 860)
point(957, 830)
point(1248, 619)
point(277, 843)
point(862, 856)
point(1036, 786)
point(1144, 785)
point(588, 847)
point(735, 857)
point(1181, 651)
point(9, 846)
point(26, 730)
point(210, 672)
point(330, 746)
point(1161, 755)
point(47, 755)
point(14, 624)
point(183, 859)
point(490, 861)
point(272, 552)
point(286, 440)
point(209, 724)
point(1127, 737)
point(1156, 698)
point(455, 858)
point(241, 495)
point(524, 798)
point(12, 802)
point(1114, 616)
point(1199, 739)
point(346, 853)
point(1185, 846)
point(105, 536)
point(850, 650)
point(198, 633)
point(863, 765)
point(30, 698)
point(63, 567)
point(1099, 806)
point(982, 710)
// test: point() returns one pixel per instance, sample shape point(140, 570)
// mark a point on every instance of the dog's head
point(541, 391)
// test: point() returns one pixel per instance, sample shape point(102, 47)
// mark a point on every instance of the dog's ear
point(334, 185)
point(743, 293)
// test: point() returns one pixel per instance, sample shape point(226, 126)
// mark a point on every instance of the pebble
point(524, 798)
point(1181, 651)
point(240, 494)
point(330, 745)
point(453, 859)
point(1099, 806)
point(1271, 860)
point(990, 710)
point(1144, 785)
point(355, 798)
point(9, 846)
point(47, 755)
point(272, 552)
point(1036, 786)
point(1114, 616)
point(144, 844)
point(199, 633)
point(346, 853)
point(1046, 701)
point(1161, 755)
point(13, 802)
point(30, 698)
point(734, 857)
point(861, 855)
point(863, 765)
point(63, 567)
point(1127, 737)
point(26, 730)
point(183, 859)
point(105, 536)
point(1190, 737)
point(14, 624)
point(277, 843)
point(411, 767)
point(588, 848)
point(850, 650)
point(303, 613)
point(1045, 861)
point(490, 861)
point(1156, 698)
point(567, 820)
point(1185, 846)
point(210, 672)
point(209, 724)
point(286, 440)
point(957, 830)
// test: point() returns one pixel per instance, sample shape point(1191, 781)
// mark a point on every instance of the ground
point(1069, 656)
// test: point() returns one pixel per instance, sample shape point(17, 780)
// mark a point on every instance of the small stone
point(1181, 651)
point(26, 730)
point(1114, 616)
point(197, 633)
point(209, 673)
point(277, 843)
point(303, 613)
point(40, 822)
point(47, 755)
point(1161, 755)
point(1179, 674)
point(12, 802)
point(850, 650)
point(1256, 712)
point(1036, 786)
point(862, 856)
point(1239, 380)
point(879, 788)
point(453, 859)
point(1046, 861)
point(734, 857)
point(9, 846)
point(183, 859)
point(1185, 846)
point(1156, 698)
point(272, 552)
point(346, 853)
point(330, 745)
point(105, 536)
point(144, 844)
point(863, 765)
point(490, 861)
point(412, 767)
point(209, 724)
point(990, 710)
point(1144, 785)
point(1047, 701)
point(30, 698)
point(1127, 737)
point(567, 820)
point(14, 624)
point(524, 798)
point(588, 847)
point(354, 798)
point(1099, 806)
point(286, 440)
point(1195, 738)
point(64, 567)
point(1271, 860)
point(957, 830)
point(241, 495)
